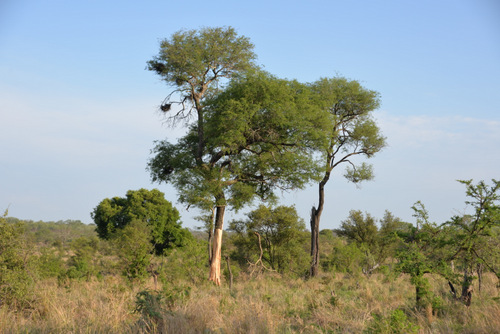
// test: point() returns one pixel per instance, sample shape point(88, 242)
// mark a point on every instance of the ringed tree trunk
point(215, 262)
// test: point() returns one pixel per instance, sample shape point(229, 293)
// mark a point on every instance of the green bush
point(134, 248)
point(396, 323)
point(49, 263)
point(16, 278)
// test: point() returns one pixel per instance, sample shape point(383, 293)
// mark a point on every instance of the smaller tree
point(134, 249)
point(350, 132)
point(419, 255)
point(473, 235)
point(362, 230)
point(149, 206)
point(388, 241)
point(16, 282)
point(282, 236)
point(82, 262)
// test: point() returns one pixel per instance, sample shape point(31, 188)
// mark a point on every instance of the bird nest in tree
point(165, 107)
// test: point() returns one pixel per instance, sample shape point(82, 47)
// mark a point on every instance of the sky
point(79, 111)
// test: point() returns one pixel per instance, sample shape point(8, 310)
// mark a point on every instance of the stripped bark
point(215, 263)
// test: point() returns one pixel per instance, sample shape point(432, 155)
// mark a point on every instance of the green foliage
point(283, 239)
point(149, 206)
point(391, 228)
point(196, 60)
point(187, 263)
point(396, 322)
point(50, 263)
point(16, 280)
point(83, 263)
point(350, 130)
point(134, 249)
point(258, 135)
point(419, 254)
point(346, 258)
point(149, 304)
point(60, 233)
point(473, 237)
point(359, 229)
point(363, 232)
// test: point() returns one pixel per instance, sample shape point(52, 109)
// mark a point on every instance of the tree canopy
point(149, 206)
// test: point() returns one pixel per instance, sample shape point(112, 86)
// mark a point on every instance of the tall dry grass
point(266, 304)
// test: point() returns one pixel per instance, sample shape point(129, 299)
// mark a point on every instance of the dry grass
point(328, 304)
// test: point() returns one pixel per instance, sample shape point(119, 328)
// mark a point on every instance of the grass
point(266, 304)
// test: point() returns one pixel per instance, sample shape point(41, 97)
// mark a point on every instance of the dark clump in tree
point(148, 206)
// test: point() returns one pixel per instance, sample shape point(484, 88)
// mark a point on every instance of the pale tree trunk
point(215, 264)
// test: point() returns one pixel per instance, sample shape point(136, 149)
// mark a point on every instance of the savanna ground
point(268, 303)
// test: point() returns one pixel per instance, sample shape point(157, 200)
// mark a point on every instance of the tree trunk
point(314, 242)
point(467, 288)
point(230, 273)
point(214, 275)
point(315, 217)
point(210, 239)
point(480, 276)
point(210, 235)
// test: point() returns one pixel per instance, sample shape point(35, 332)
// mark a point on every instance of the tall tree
point(193, 63)
point(350, 132)
point(259, 136)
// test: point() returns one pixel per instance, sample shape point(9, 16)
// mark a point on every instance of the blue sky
point(78, 110)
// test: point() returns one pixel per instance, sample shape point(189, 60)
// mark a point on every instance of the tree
point(475, 236)
point(149, 206)
point(194, 62)
point(350, 132)
point(281, 232)
point(362, 230)
point(259, 137)
point(420, 254)
point(133, 243)
point(16, 280)
point(359, 228)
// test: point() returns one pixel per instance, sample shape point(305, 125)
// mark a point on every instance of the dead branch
point(258, 265)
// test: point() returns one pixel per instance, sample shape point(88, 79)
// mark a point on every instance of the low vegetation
point(376, 276)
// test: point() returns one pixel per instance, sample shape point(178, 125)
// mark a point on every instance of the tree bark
point(480, 268)
point(215, 264)
point(210, 235)
point(314, 243)
point(230, 273)
point(315, 217)
point(467, 287)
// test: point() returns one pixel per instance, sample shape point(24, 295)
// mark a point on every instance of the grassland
point(264, 304)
